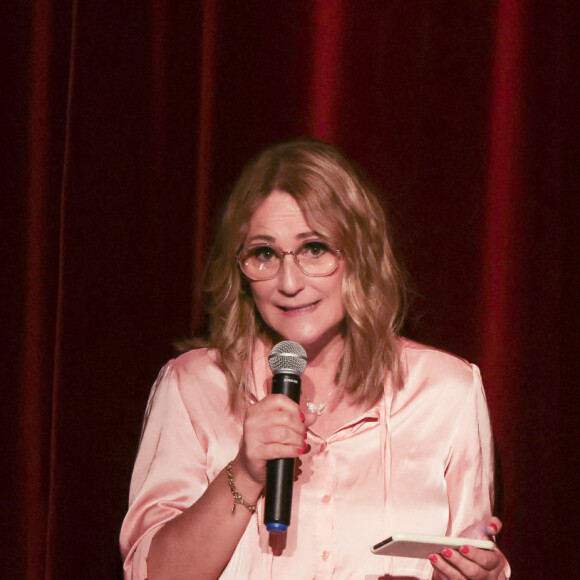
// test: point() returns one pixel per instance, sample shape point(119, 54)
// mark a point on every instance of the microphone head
point(287, 357)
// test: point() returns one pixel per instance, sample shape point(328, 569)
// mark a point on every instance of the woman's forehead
point(314, 218)
point(278, 216)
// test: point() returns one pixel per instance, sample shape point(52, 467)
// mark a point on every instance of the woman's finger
point(273, 428)
point(443, 570)
point(269, 425)
point(494, 526)
point(469, 562)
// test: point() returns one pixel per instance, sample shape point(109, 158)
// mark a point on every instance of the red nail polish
point(447, 553)
point(493, 527)
point(433, 558)
point(305, 434)
point(302, 417)
point(300, 450)
point(464, 549)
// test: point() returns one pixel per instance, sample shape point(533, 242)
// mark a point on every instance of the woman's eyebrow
point(262, 237)
point(308, 235)
point(272, 239)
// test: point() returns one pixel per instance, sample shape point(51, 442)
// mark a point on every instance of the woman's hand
point(469, 562)
point(273, 427)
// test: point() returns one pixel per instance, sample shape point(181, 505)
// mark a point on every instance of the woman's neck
point(319, 379)
point(326, 357)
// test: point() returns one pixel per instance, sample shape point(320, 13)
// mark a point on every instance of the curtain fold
point(504, 241)
point(329, 20)
point(126, 125)
point(205, 140)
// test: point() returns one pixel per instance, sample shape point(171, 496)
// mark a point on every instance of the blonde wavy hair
point(338, 203)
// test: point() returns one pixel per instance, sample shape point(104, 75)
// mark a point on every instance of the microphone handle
point(280, 472)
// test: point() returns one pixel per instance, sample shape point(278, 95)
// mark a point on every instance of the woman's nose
point(290, 277)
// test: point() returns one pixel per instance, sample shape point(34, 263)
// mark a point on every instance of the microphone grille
point(287, 356)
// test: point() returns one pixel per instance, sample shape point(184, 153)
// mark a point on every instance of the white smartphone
point(421, 545)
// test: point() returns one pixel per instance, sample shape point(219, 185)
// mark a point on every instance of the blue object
point(276, 528)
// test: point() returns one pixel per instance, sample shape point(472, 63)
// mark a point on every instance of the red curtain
point(125, 125)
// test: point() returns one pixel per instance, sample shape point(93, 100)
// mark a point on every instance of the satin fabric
point(419, 461)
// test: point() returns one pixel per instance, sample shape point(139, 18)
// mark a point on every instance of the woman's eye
point(315, 249)
point(263, 253)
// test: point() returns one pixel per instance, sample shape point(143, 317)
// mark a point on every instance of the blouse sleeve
point(469, 473)
point(169, 471)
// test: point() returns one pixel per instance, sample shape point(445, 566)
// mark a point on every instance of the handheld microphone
point(287, 362)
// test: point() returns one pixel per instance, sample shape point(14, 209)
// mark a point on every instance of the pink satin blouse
point(421, 461)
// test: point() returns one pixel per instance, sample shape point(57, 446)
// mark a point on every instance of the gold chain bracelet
point(238, 499)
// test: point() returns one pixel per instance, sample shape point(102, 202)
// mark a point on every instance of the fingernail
point(305, 434)
point(447, 553)
point(464, 549)
point(300, 450)
point(433, 558)
point(302, 417)
point(493, 527)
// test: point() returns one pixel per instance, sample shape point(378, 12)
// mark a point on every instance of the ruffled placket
point(386, 460)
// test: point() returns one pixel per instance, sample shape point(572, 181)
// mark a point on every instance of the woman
point(390, 435)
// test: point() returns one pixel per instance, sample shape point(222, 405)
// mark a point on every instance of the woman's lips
point(297, 310)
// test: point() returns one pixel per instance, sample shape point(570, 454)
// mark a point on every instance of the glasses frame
point(339, 254)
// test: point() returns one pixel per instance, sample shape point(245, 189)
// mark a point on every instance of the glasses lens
point(317, 259)
point(260, 263)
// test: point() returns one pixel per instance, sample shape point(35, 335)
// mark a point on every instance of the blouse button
point(326, 498)
point(325, 555)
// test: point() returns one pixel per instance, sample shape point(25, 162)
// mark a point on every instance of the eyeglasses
point(313, 258)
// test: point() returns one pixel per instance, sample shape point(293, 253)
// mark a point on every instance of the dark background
point(124, 126)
